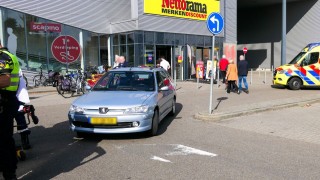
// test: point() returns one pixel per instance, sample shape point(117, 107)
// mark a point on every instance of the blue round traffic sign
point(215, 23)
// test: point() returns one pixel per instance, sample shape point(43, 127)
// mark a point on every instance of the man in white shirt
point(164, 64)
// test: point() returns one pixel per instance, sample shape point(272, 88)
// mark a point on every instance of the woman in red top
point(223, 64)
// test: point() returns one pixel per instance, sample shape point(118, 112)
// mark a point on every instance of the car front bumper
point(80, 123)
point(280, 79)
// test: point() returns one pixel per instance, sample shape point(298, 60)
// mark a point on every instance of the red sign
point(65, 49)
point(50, 27)
point(245, 50)
point(200, 69)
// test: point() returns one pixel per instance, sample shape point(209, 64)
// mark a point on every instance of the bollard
point(218, 77)
point(265, 76)
point(251, 76)
point(197, 78)
point(272, 70)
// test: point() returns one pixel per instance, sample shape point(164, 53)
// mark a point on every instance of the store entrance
point(163, 51)
point(174, 56)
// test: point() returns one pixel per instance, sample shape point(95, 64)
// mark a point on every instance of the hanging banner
point(189, 9)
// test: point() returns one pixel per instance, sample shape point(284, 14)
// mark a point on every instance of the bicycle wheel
point(66, 93)
point(59, 86)
point(83, 86)
point(65, 90)
point(39, 80)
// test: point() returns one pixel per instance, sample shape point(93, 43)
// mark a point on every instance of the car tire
point(155, 124)
point(173, 110)
point(295, 83)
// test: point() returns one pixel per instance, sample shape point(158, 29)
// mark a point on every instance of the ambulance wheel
point(295, 83)
point(21, 155)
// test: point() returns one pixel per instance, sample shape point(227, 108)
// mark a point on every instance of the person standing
point(164, 64)
point(232, 76)
point(9, 81)
point(122, 62)
point(116, 61)
point(243, 72)
point(223, 64)
point(23, 98)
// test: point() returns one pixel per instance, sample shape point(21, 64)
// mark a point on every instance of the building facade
point(66, 35)
point(99, 30)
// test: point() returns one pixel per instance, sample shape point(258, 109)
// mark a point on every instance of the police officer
point(9, 80)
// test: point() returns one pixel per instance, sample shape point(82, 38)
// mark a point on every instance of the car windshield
point(297, 58)
point(126, 81)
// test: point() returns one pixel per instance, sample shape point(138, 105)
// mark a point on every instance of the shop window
point(139, 55)
point(149, 37)
point(122, 38)
point(115, 39)
point(91, 49)
point(104, 50)
point(195, 40)
point(130, 38)
point(37, 45)
point(168, 39)
point(130, 58)
point(14, 35)
point(159, 38)
point(123, 50)
point(179, 39)
point(138, 37)
point(207, 41)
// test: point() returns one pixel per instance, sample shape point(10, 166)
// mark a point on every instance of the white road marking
point(185, 150)
point(160, 159)
point(25, 174)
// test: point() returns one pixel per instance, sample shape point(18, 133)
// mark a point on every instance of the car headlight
point(76, 109)
point(281, 72)
point(138, 109)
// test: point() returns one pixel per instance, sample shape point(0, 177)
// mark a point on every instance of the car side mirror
point(164, 88)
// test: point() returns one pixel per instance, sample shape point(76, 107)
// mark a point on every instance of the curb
point(227, 115)
point(33, 90)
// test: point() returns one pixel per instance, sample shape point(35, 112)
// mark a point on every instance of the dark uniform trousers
point(8, 108)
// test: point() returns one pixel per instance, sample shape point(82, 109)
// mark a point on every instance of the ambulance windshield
point(297, 58)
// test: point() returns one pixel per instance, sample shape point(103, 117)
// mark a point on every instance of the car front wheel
point(155, 124)
point(173, 110)
point(295, 83)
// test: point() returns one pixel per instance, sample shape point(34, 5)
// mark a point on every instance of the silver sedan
point(125, 100)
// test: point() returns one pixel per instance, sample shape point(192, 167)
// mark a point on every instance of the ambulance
point(302, 71)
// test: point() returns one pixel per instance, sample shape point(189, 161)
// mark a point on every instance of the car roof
point(142, 69)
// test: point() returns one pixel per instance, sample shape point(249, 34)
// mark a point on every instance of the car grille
point(88, 125)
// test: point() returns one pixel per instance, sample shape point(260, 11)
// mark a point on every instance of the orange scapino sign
point(190, 9)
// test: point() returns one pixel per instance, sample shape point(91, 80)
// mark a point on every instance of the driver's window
point(159, 80)
point(310, 58)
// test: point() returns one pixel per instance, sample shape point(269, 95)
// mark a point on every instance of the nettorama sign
point(190, 9)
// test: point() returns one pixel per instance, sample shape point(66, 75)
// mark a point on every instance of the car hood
point(113, 99)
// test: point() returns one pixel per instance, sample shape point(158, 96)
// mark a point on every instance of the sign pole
point(211, 77)
point(215, 25)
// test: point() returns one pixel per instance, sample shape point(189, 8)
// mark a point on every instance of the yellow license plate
point(103, 121)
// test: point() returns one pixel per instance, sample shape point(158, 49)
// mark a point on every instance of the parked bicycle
point(72, 83)
point(44, 80)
